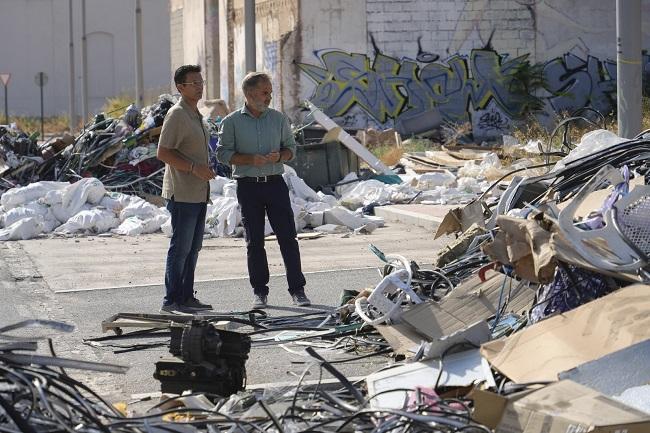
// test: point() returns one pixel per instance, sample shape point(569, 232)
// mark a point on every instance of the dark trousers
point(272, 198)
point(188, 224)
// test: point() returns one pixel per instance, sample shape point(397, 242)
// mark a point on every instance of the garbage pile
point(554, 301)
point(120, 152)
point(533, 319)
point(120, 155)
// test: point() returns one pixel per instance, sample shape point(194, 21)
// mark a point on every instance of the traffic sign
point(5, 79)
point(40, 79)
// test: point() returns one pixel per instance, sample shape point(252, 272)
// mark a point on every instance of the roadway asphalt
point(266, 364)
point(84, 281)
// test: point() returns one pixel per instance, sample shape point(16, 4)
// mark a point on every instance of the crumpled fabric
point(571, 287)
point(525, 245)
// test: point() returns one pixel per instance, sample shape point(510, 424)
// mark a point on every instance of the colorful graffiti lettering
point(577, 83)
point(391, 90)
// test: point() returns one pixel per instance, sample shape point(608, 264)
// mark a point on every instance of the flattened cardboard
point(489, 406)
point(566, 406)
point(461, 219)
point(545, 349)
point(450, 223)
point(475, 334)
point(467, 304)
point(401, 337)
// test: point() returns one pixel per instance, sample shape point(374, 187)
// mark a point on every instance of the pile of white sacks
point(85, 207)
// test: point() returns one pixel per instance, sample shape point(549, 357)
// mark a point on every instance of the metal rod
point(40, 85)
point(249, 31)
point(71, 91)
point(84, 65)
point(139, 87)
point(6, 106)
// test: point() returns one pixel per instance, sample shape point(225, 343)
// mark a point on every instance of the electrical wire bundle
point(314, 408)
point(36, 397)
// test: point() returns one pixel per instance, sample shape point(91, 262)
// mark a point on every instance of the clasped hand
point(269, 158)
point(203, 172)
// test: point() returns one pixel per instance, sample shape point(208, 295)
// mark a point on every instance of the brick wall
point(448, 27)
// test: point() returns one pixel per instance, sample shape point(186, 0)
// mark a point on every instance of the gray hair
point(252, 79)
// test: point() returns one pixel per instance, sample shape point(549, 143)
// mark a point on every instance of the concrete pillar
point(249, 30)
point(628, 67)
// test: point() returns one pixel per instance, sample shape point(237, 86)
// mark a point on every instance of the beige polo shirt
point(184, 131)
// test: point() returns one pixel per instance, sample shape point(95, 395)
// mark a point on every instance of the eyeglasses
point(195, 83)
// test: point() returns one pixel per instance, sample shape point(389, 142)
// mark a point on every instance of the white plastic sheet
point(22, 195)
point(86, 207)
point(591, 142)
point(26, 228)
point(87, 190)
point(431, 180)
point(95, 220)
point(33, 209)
point(223, 216)
point(134, 225)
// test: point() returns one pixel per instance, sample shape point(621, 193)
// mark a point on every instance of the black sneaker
point(174, 308)
point(196, 304)
point(259, 301)
point(300, 299)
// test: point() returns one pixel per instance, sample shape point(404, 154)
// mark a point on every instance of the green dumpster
point(323, 164)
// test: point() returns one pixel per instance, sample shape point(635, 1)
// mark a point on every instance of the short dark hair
point(181, 72)
point(252, 79)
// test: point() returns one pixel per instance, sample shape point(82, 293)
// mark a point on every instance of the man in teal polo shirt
point(255, 140)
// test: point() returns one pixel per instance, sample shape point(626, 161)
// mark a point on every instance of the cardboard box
point(542, 351)
point(489, 406)
point(469, 303)
point(568, 407)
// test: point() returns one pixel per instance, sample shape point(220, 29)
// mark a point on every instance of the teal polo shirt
point(241, 132)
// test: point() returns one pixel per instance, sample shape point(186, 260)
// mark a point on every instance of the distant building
point(34, 37)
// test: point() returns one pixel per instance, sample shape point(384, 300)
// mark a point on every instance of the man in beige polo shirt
point(183, 147)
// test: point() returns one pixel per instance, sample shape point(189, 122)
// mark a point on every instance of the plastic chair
point(623, 243)
point(397, 284)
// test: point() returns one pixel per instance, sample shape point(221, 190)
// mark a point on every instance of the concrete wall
point(34, 35)
point(275, 21)
point(412, 64)
point(459, 61)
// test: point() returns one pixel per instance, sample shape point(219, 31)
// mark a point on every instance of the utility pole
point(628, 67)
point(249, 30)
point(139, 87)
point(71, 102)
point(84, 65)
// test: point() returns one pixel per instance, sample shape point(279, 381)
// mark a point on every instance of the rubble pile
point(120, 153)
point(542, 293)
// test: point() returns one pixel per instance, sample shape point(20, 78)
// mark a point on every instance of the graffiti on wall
point(576, 83)
point(480, 88)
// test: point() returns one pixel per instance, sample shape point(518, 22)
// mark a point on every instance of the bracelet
point(191, 167)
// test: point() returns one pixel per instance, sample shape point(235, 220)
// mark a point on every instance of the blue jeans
point(188, 223)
